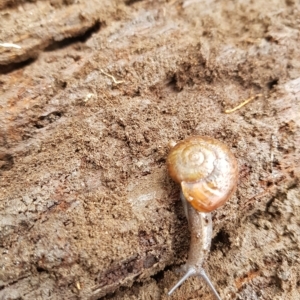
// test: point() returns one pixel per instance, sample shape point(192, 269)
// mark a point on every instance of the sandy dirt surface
point(92, 92)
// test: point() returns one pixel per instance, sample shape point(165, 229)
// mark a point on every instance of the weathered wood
point(86, 205)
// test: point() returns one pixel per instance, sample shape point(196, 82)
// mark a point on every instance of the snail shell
point(206, 170)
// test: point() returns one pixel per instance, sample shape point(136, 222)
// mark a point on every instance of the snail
point(207, 172)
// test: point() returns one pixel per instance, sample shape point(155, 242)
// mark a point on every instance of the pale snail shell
point(206, 170)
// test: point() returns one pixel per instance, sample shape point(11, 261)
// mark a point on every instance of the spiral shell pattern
point(206, 170)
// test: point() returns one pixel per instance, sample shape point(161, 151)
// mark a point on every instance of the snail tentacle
point(188, 274)
point(209, 283)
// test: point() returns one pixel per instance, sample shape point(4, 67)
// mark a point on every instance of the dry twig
point(228, 111)
point(112, 77)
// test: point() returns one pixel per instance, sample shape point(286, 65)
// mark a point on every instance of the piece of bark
point(86, 205)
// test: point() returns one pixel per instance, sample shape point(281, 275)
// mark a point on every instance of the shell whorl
point(206, 170)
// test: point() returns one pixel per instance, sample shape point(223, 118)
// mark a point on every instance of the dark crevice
point(61, 3)
point(130, 2)
point(271, 39)
point(11, 3)
point(173, 83)
point(82, 38)
point(109, 296)
point(6, 162)
point(271, 84)
point(40, 269)
point(161, 274)
point(43, 121)
point(221, 241)
point(15, 66)
point(61, 84)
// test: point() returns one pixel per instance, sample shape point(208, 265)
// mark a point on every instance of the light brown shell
point(206, 170)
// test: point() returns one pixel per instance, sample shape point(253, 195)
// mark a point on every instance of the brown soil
point(91, 94)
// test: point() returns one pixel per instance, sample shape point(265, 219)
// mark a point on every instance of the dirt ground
point(91, 93)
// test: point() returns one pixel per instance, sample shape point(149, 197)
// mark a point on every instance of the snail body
point(207, 172)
